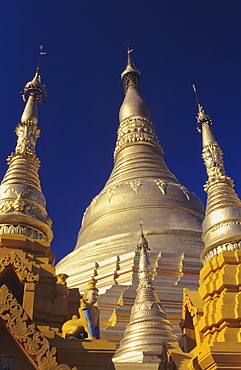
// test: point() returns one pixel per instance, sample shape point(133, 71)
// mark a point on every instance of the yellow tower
point(33, 302)
point(140, 186)
point(211, 316)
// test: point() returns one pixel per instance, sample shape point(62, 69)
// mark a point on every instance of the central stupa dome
point(140, 186)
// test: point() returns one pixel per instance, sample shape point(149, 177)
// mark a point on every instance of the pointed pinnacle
point(142, 243)
point(201, 116)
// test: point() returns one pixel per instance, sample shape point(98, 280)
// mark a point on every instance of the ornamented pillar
point(22, 203)
point(215, 310)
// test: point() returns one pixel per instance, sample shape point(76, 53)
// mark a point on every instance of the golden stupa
point(34, 301)
point(148, 327)
point(211, 315)
point(22, 203)
point(140, 186)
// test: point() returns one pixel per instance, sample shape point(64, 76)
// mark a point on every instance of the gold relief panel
point(20, 268)
point(22, 230)
point(31, 340)
point(162, 185)
point(136, 185)
point(134, 129)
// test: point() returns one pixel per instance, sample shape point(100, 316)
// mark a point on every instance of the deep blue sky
point(176, 43)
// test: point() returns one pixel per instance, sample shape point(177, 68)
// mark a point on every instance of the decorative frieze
point(27, 133)
point(136, 185)
point(162, 185)
point(136, 129)
point(27, 335)
point(20, 268)
point(232, 246)
point(22, 230)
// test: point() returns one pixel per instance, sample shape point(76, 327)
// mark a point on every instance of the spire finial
point(131, 76)
point(41, 52)
point(34, 87)
point(33, 94)
point(142, 243)
point(201, 116)
point(129, 60)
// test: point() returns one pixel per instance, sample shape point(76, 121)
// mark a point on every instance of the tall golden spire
point(138, 129)
point(22, 203)
point(148, 326)
point(222, 223)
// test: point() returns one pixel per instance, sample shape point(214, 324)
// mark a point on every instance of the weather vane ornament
point(41, 52)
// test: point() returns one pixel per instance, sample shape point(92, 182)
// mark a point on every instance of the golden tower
point(34, 301)
point(22, 203)
point(148, 326)
point(140, 186)
point(211, 315)
point(32, 307)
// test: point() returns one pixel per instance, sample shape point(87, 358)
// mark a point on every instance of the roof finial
point(142, 243)
point(34, 87)
point(41, 52)
point(201, 116)
point(131, 76)
point(129, 60)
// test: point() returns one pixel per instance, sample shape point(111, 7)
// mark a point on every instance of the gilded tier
point(22, 203)
point(222, 223)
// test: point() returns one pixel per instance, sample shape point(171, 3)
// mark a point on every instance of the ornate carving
point(213, 160)
point(27, 133)
point(136, 185)
point(31, 157)
point(232, 246)
point(28, 207)
point(110, 192)
point(221, 224)
point(162, 185)
point(20, 268)
point(35, 88)
point(27, 335)
point(135, 129)
point(185, 191)
point(23, 230)
point(18, 205)
point(187, 305)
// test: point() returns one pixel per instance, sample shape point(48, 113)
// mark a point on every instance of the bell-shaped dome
point(140, 186)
